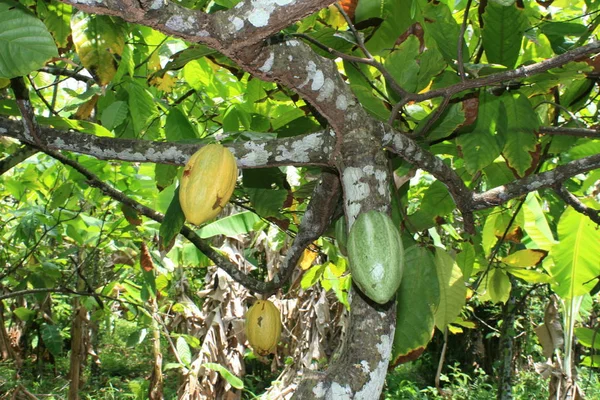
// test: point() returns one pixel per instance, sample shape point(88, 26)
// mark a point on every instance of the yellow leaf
point(85, 110)
point(525, 258)
point(308, 257)
point(99, 42)
point(165, 83)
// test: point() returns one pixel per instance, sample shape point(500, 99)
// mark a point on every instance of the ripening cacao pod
point(375, 255)
point(207, 183)
point(263, 327)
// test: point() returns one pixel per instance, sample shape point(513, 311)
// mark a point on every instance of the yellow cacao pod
point(263, 327)
point(207, 183)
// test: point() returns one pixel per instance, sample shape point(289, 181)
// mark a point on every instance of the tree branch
point(243, 26)
point(299, 150)
point(518, 73)
point(520, 187)
point(564, 131)
point(574, 202)
point(16, 158)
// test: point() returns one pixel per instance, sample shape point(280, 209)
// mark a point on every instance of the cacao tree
point(472, 128)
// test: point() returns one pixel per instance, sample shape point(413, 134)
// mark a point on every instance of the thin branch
point(520, 187)
point(461, 39)
point(67, 73)
point(357, 35)
point(574, 202)
point(432, 120)
point(518, 73)
point(42, 98)
point(565, 131)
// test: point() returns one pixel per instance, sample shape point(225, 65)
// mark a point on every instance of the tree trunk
point(78, 347)
point(7, 352)
point(505, 376)
point(155, 391)
point(360, 370)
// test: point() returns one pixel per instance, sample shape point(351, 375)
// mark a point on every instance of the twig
point(565, 131)
point(433, 119)
point(357, 36)
point(438, 373)
point(41, 96)
point(461, 38)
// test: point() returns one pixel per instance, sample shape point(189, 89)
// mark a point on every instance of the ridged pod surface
point(207, 183)
point(376, 256)
point(263, 327)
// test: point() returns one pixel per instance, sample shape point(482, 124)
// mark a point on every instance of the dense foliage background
point(488, 115)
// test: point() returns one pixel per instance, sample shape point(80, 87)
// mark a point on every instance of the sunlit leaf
point(525, 258)
point(452, 289)
point(576, 255)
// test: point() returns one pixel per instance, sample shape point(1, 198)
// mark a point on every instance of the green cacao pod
point(207, 183)
point(263, 327)
point(376, 256)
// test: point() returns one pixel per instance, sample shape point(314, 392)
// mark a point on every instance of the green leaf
point(443, 28)
point(576, 255)
point(466, 259)
point(172, 224)
point(588, 337)
point(62, 194)
point(360, 79)
point(114, 115)
point(24, 314)
point(417, 298)
point(226, 374)
point(52, 339)
point(452, 289)
point(480, 147)
point(231, 226)
point(181, 58)
point(137, 337)
point(450, 120)
point(58, 22)
point(395, 21)
point(402, 64)
point(437, 201)
point(591, 361)
point(520, 140)
point(497, 286)
point(80, 126)
point(498, 174)
point(183, 350)
point(312, 276)
point(530, 275)
point(536, 225)
point(165, 175)
point(142, 108)
point(431, 64)
point(267, 202)
point(502, 35)
point(25, 43)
